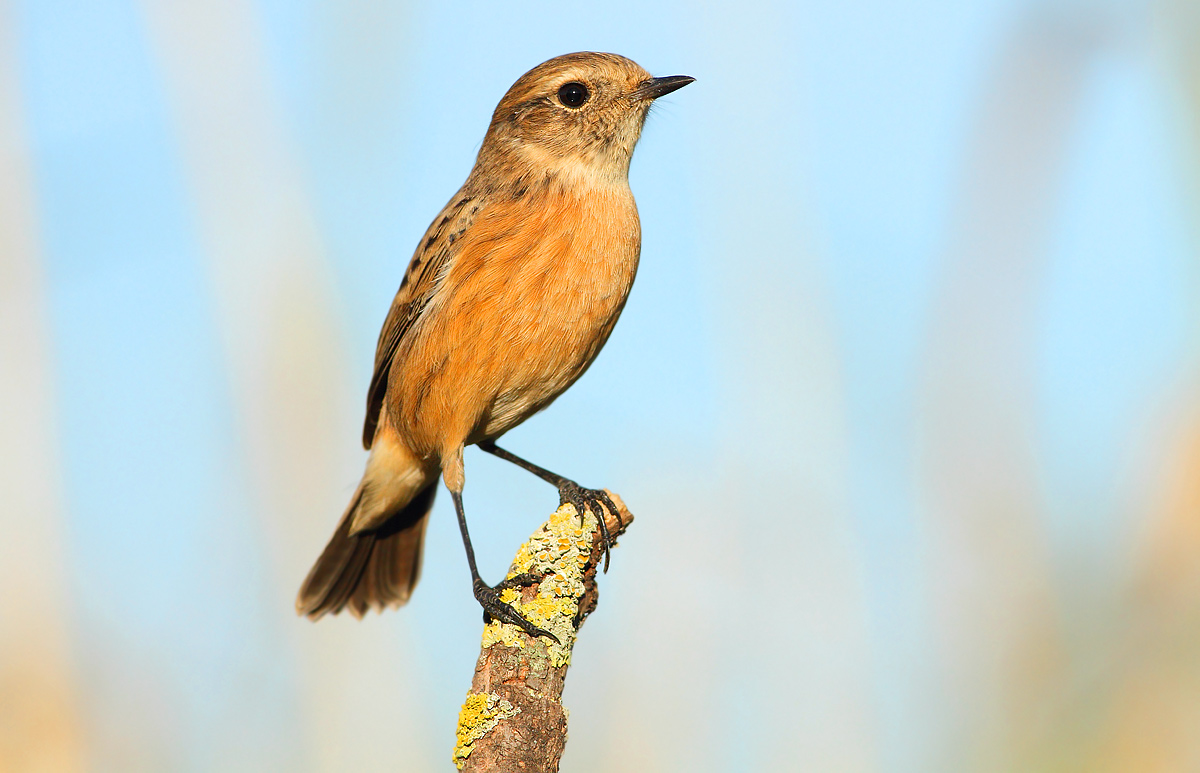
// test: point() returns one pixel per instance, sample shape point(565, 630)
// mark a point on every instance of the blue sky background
point(903, 400)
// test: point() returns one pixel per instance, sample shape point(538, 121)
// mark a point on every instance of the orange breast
point(524, 309)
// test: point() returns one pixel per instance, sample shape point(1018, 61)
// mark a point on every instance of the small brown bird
point(508, 299)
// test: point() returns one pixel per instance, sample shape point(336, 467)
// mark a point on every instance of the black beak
point(653, 88)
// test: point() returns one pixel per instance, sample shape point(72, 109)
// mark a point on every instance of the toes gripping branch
point(495, 609)
point(595, 501)
point(584, 500)
point(516, 693)
point(550, 586)
point(592, 507)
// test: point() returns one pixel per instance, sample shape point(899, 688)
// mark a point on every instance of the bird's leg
point(488, 596)
point(581, 498)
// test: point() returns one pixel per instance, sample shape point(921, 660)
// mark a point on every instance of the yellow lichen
point(480, 713)
point(559, 550)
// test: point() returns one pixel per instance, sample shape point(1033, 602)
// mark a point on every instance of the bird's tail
point(370, 568)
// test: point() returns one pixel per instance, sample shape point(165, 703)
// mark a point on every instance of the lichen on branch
point(513, 718)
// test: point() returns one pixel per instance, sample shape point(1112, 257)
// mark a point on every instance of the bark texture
point(513, 718)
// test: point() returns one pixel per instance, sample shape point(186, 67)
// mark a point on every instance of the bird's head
point(576, 114)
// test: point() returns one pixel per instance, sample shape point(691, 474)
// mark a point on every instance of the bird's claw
point(595, 500)
point(520, 581)
point(495, 609)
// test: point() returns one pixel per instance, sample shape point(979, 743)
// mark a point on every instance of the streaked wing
point(420, 284)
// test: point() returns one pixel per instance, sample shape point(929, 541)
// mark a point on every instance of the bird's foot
point(495, 609)
point(519, 581)
point(596, 500)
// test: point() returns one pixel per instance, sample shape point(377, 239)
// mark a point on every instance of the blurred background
point(906, 399)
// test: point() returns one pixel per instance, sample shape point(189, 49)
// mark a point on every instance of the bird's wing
point(420, 284)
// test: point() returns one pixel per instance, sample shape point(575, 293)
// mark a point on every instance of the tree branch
point(513, 718)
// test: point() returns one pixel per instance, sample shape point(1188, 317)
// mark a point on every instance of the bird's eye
point(573, 94)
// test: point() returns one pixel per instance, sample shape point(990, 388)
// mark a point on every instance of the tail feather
point(371, 569)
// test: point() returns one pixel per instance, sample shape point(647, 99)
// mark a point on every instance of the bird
point(508, 298)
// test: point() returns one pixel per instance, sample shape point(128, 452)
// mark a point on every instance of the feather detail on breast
point(522, 310)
